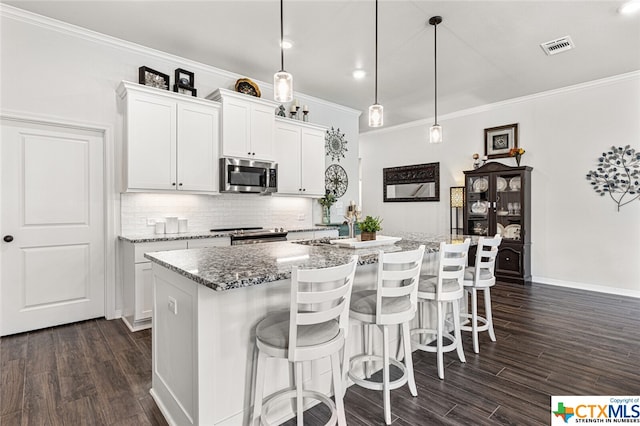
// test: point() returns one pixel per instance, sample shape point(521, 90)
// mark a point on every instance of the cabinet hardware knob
point(180, 184)
point(304, 189)
point(253, 153)
point(173, 184)
point(507, 258)
point(8, 238)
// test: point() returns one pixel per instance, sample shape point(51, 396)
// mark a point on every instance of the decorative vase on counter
point(367, 236)
point(326, 215)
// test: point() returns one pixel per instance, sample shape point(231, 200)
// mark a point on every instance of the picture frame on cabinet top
point(499, 140)
point(185, 90)
point(153, 78)
point(184, 78)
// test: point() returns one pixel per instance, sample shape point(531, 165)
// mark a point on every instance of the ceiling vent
point(559, 45)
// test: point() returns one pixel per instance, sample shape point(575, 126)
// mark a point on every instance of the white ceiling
point(488, 51)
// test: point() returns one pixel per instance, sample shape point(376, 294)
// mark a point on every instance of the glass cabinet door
point(508, 209)
point(478, 205)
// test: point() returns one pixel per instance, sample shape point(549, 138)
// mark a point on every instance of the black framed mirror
point(419, 182)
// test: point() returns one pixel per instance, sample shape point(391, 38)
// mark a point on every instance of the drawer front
point(210, 242)
point(142, 248)
point(304, 235)
point(510, 261)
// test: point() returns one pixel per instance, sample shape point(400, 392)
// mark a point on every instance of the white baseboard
point(590, 287)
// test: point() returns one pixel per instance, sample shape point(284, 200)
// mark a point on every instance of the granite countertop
point(226, 268)
point(150, 238)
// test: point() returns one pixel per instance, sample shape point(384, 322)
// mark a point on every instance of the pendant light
point(282, 80)
point(376, 111)
point(435, 132)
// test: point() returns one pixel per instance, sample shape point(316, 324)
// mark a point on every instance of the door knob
point(8, 238)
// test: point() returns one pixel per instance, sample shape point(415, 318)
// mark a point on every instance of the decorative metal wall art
point(618, 175)
point(335, 144)
point(336, 180)
point(420, 182)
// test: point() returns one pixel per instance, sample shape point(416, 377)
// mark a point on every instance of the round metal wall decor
point(336, 180)
point(335, 144)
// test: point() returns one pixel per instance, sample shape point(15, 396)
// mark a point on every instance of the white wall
point(579, 239)
point(56, 71)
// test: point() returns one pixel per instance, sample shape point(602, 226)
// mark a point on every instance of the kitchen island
point(207, 303)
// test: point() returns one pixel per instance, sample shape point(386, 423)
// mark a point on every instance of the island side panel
point(174, 346)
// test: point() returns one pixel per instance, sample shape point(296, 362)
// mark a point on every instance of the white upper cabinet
point(247, 125)
point(299, 152)
point(171, 141)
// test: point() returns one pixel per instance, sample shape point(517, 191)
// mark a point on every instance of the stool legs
point(338, 391)
point(489, 315)
point(408, 357)
point(456, 330)
point(385, 374)
point(299, 398)
point(478, 323)
point(440, 329)
point(474, 320)
point(258, 388)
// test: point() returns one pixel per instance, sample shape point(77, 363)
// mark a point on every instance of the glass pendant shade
point(435, 134)
point(283, 86)
point(376, 115)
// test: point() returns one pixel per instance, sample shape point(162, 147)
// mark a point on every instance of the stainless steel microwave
point(240, 175)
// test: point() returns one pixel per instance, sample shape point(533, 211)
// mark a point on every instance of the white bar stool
point(481, 277)
point(444, 289)
point(315, 327)
point(394, 302)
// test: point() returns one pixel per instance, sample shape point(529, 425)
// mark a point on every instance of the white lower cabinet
point(138, 279)
point(299, 152)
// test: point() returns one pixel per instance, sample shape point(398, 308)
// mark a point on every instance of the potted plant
point(368, 228)
point(326, 202)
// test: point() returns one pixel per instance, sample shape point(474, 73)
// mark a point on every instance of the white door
point(52, 226)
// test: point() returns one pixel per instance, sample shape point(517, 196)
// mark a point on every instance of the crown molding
point(31, 18)
point(426, 122)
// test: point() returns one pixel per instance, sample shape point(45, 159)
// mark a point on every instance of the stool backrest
point(486, 258)
point(453, 260)
point(319, 296)
point(398, 277)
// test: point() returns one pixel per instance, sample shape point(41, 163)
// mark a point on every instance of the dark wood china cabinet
point(498, 201)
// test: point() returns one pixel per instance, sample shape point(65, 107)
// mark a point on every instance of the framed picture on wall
point(418, 182)
point(499, 140)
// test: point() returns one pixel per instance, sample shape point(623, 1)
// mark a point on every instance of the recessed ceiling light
point(359, 74)
point(286, 44)
point(629, 7)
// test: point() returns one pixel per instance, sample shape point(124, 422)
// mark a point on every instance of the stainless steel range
point(253, 235)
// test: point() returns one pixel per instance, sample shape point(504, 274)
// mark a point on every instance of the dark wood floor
point(551, 341)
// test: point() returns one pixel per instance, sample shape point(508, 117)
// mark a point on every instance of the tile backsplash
point(220, 211)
